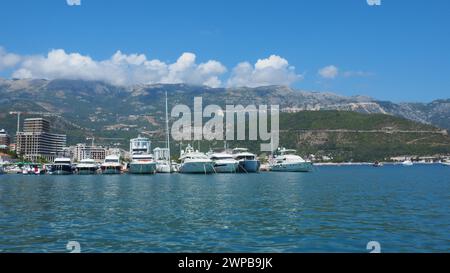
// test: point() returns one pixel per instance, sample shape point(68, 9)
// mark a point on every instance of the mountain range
point(107, 105)
point(346, 128)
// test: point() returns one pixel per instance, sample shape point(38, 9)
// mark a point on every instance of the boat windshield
point(246, 157)
point(111, 161)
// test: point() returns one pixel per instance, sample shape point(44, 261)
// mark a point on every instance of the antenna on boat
point(167, 133)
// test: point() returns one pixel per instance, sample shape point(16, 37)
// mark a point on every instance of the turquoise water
point(334, 209)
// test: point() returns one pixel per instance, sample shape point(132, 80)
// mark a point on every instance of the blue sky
point(397, 51)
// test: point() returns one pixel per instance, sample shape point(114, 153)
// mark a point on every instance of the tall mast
point(167, 132)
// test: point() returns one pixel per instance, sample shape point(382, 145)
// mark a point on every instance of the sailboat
point(162, 156)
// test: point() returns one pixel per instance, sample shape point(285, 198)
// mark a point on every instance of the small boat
point(224, 163)
point(195, 162)
point(407, 163)
point(288, 161)
point(86, 167)
point(446, 162)
point(377, 164)
point(13, 170)
point(248, 163)
point(111, 165)
point(62, 166)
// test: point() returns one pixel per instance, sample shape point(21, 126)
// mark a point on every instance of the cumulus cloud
point(329, 72)
point(74, 2)
point(8, 60)
point(129, 69)
point(274, 70)
point(121, 69)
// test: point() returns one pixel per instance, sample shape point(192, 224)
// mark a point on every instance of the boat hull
point(197, 167)
point(87, 171)
point(292, 167)
point(111, 170)
point(163, 168)
point(138, 168)
point(226, 167)
point(249, 166)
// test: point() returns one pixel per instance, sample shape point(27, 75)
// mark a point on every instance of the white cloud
point(129, 69)
point(121, 69)
point(73, 2)
point(357, 74)
point(8, 60)
point(329, 72)
point(274, 70)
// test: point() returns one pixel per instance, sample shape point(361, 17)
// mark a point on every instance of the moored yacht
point(142, 161)
point(87, 166)
point(224, 163)
point(142, 164)
point(162, 158)
point(288, 161)
point(407, 162)
point(111, 165)
point(195, 162)
point(62, 166)
point(446, 162)
point(248, 162)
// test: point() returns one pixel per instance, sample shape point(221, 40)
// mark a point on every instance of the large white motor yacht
point(111, 165)
point(224, 163)
point(195, 162)
point(288, 161)
point(142, 161)
point(248, 162)
point(87, 166)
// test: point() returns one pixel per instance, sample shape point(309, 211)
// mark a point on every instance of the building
point(37, 142)
point(5, 140)
point(81, 151)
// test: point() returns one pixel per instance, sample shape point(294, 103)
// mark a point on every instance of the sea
point(332, 209)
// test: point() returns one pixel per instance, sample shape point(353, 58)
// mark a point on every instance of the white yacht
point(195, 162)
point(142, 164)
point(111, 165)
point(224, 163)
point(142, 161)
point(446, 162)
point(62, 166)
point(407, 162)
point(288, 161)
point(248, 162)
point(87, 166)
point(162, 159)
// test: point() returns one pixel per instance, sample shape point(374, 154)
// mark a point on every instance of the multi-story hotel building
point(4, 139)
point(82, 151)
point(37, 142)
